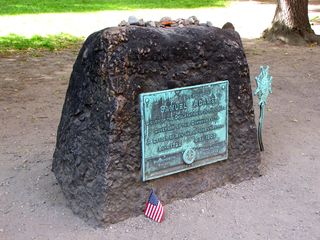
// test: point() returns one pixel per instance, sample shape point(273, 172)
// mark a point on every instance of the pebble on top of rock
point(164, 22)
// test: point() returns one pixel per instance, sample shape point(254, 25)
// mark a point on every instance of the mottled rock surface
point(98, 152)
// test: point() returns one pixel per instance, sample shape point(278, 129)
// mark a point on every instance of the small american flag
point(154, 208)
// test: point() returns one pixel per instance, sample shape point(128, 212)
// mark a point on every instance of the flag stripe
point(150, 210)
point(159, 213)
point(147, 209)
point(154, 208)
point(154, 212)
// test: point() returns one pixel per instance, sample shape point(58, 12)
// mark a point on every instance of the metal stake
point(263, 81)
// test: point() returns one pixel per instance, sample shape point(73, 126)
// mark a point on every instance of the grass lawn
point(15, 42)
point(12, 7)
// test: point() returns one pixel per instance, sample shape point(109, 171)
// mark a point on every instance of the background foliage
point(51, 42)
point(11, 7)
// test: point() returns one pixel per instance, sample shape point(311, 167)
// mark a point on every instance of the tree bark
point(291, 24)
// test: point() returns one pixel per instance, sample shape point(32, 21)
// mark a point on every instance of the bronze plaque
point(183, 128)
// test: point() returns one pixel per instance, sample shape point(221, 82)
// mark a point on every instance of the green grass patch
point(12, 7)
point(15, 42)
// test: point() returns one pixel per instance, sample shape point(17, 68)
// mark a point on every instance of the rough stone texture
point(98, 155)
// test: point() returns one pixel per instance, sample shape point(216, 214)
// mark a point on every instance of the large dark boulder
point(97, 159)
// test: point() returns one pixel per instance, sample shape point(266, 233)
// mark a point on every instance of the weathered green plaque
point(183, 128)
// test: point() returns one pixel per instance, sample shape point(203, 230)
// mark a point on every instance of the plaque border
point(142, 95)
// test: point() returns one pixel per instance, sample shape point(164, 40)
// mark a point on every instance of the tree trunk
point(291, 24)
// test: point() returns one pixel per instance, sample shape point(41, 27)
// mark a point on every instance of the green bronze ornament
point(263, 81)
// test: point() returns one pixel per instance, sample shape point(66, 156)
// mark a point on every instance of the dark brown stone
point(228, 25)
point(97, 158)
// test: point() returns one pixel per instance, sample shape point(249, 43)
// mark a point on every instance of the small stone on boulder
point(132, 20)
point(228, 26)
point(150, 24)
point(123, 23)
point(209, 24)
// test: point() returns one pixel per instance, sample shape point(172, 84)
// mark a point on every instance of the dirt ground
point(284, 203)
